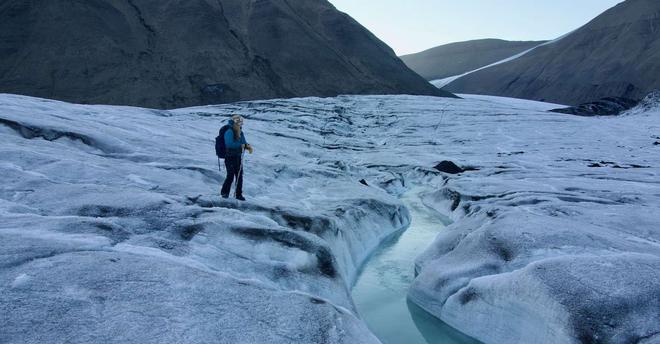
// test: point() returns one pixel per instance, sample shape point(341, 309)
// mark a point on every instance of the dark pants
point(234, 170)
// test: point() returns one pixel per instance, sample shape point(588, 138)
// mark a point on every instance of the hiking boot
point(224, 196)
point(240, 198)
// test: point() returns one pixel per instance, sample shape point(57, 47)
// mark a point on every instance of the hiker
point(235, 144)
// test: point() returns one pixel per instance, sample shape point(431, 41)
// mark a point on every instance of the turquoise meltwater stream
point(380, 291)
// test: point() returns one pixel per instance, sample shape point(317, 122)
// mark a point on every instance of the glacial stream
point(381, 289)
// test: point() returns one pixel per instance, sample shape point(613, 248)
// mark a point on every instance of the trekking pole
point(220, 168)
point(240, 170)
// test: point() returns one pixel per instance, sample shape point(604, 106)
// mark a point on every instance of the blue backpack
point(220, 147)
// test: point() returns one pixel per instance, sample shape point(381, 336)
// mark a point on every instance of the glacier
point(113, 230)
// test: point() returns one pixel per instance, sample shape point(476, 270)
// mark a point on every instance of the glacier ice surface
point(112, 229)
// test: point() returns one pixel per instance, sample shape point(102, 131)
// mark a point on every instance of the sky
point(410, 26)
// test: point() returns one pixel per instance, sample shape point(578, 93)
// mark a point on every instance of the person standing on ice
point(235, 144)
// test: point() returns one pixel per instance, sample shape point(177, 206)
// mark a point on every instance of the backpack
point(220, 147)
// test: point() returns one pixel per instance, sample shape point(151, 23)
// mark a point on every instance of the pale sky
point(415, 25)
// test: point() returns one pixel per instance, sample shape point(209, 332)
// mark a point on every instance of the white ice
point(112, 229)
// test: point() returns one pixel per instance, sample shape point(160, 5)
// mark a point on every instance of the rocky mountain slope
point(177, 53)
point(615, 55)
point(457, 58)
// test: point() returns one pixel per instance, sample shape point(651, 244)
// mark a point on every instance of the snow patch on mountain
point(440, 83)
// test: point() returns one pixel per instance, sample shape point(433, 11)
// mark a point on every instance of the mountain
point(615, 55)
point(179, 53)
point(457, 58)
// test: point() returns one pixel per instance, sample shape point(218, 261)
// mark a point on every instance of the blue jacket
point(234, 146)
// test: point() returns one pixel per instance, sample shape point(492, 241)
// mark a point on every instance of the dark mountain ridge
point(615, 55)
point(177, 53)
point(457, 58)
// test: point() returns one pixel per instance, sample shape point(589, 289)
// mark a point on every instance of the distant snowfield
point(440, 83)
point(112, 230)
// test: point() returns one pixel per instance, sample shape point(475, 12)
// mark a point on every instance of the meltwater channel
point(380, 291)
